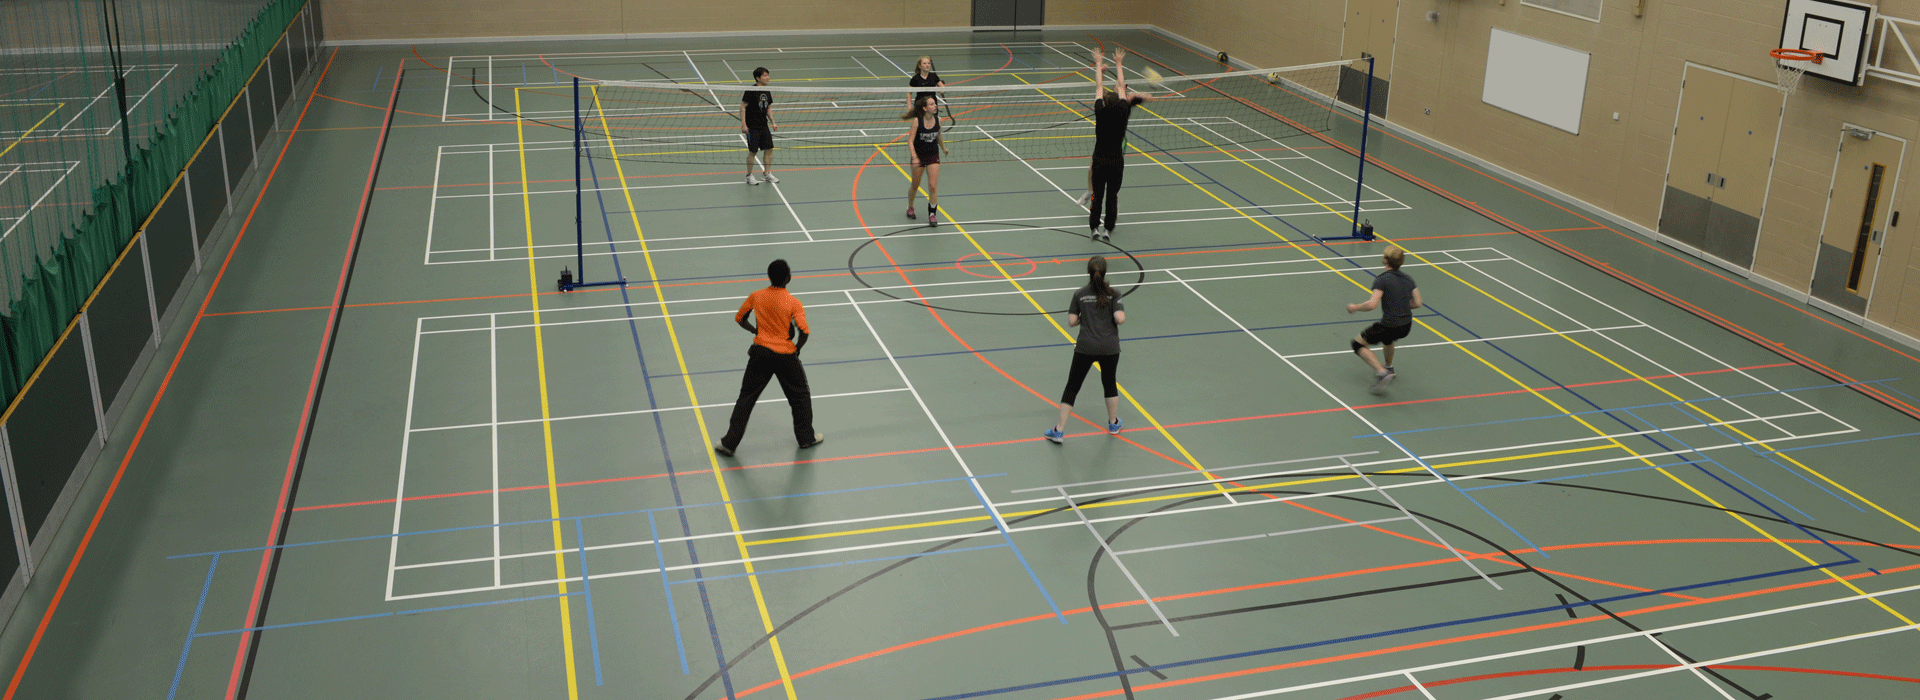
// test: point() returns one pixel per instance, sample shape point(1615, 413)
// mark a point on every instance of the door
point(1005, 14)
point(1857, 219)
point(1720, 165)
point(1369, 31)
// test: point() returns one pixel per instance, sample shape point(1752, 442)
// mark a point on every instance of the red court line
point(818, 276)
point(114, 485)
point(280, 513)
point(1271, 584)
point(1096, 432)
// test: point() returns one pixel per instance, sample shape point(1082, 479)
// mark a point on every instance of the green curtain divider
point(57, 287)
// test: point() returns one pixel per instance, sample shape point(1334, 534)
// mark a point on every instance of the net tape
point(679, 122)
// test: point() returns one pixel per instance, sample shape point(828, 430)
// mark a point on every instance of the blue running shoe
point(1056, 436)
point(1114, 427)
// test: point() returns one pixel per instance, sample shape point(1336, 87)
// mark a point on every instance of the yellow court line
point(1044, 313)
point(1161, 497)
point(36, 125)
point(546, 414)
point(706, 437)
point(1797, 553)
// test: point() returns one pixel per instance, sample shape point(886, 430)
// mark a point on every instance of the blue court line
point(1723, 482)
point(376, 77)
point(395, 613)
point(1843, 442)
point(1718, 463)
point(1722, 431)
point(541, 521)
point(1043, 346)
point(834, 564)
point(1371, 635)
point(1625, 408)
point(1470, 499)
point(673, 616)
point(1582, 476)
point(192, 629)
point(586, 580)
point(1410, 453)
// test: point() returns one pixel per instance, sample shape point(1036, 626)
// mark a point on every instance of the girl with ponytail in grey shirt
point(1098, 310)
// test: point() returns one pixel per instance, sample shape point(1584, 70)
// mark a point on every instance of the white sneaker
point(771, 178)
point(1086, 198)
point(751, 180)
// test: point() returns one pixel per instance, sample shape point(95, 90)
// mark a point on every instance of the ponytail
point(1097, 278)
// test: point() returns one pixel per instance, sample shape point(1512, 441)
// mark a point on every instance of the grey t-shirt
point(1396, 298)
point(1099, 335)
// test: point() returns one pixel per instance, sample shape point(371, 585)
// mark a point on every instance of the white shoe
point(1380, 380)
point(771, 178)
point(751, 180)
point(1086, 198)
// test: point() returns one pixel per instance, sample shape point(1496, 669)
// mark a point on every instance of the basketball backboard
point(1837, 29)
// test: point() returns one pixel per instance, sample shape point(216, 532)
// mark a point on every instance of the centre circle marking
point(1002, 258)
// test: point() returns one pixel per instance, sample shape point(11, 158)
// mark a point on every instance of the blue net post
point(579, 228)
point(1360, 178)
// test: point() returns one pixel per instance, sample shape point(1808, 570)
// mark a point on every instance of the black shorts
point(927, 157)
point(759, 139)
point(1377, 334)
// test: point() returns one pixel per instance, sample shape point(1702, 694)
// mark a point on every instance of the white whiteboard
point(1537, 80)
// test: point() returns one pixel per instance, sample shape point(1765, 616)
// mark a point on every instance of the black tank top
point(926, 139)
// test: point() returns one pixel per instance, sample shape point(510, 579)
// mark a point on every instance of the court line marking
point(1615, 637)
point(700, 420)
point(546, 426)
point(1051, 499)
point(973, 482)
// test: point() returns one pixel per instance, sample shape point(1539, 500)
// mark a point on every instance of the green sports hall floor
point(1576, 487)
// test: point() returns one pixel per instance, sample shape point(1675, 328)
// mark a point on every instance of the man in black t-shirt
point(1395, 294)
point(1111, 110)
point(757, 124)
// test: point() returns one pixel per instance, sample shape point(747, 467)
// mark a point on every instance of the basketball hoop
point(1790, 67)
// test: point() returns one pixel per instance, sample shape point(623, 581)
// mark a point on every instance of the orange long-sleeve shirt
point(775, 313)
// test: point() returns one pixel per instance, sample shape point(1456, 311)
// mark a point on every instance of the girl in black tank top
point(926, 150)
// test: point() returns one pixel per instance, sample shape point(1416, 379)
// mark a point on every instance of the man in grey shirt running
point(1395, 294)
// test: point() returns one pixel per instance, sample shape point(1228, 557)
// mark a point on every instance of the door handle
point(1876, 236)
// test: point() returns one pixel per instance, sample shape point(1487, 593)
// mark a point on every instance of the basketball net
point(1790, 65)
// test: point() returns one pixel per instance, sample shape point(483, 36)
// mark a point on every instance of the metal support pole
point(1366, 125)
point(579, 227)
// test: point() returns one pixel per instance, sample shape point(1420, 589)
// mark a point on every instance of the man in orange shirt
point(779, 330)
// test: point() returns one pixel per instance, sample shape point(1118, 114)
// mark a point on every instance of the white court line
point(1714, 358)
point(493, 205)
point(636, 412)
point(1350, 410)
point(790, 210)
point(1464, 341)
point(1617, 637)
point(863, 66)
point(406, 442)
point(1677, 658)
point(1115, 556)
point(515, 195)
point(1031, 528)
point(433, 208)
point(1636, 353)
point(493, 399)
point(36, 202)
point(1183, 162)
point(890, 62)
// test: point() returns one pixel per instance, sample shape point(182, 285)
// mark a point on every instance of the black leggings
point(1109, 375)
point(1106, 178)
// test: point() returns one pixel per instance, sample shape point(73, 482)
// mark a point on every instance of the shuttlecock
point(1153, 77)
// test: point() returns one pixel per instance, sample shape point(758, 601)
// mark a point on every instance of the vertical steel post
point(1366, 125)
